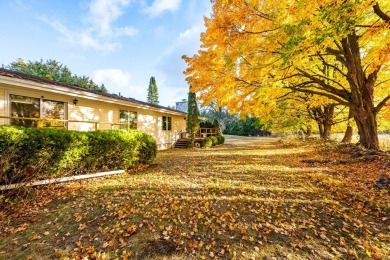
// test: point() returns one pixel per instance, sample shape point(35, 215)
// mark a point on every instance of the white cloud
point(191, 33)
point(102, 13)
point(98, 32)
point(111, 78)
point(186, 43)
point(160, 6)
point(21, 5)
point(125, 31)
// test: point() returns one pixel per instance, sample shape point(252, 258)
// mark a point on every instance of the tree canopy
point(54, 70)
point(255, 52)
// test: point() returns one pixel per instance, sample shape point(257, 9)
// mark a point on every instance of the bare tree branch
point(382, 104)
point(382, 82)
point(326, 87)
point(331, 65)
point(328, 95)
point(377, 10)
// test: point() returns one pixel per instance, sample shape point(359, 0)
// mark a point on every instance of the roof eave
point(24, 83)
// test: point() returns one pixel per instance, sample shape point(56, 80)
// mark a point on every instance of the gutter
point(73, 91)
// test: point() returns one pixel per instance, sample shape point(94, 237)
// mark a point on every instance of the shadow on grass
point(246, 203)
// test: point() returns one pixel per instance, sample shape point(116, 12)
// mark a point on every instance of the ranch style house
point(36, 102)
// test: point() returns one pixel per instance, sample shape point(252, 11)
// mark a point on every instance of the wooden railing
point(41, 121)
point(206, 132)
point(202, 133)
point(176, 136)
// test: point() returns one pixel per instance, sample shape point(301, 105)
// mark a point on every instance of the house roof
point(19, 75)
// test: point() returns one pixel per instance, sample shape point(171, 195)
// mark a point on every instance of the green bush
point(207, 142)
point(249, 126)
point(47, 153)
point(214, 140)
point(221, 139)
point(147, 148)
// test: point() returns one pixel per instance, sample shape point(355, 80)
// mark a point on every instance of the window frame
point(169, 123)
point(13, 121)
point(64, 123)
point(42, 99)
point(166, 123)
point(130, 125)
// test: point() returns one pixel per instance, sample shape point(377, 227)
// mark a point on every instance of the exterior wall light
point(75, 101)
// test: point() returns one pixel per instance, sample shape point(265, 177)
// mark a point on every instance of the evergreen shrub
point(40, 153)
point(214, 140)
point(207, 142)
point(221, 139)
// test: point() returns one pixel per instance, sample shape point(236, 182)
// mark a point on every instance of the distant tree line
point(233, 124)
point(249, 126)
point(53, 70)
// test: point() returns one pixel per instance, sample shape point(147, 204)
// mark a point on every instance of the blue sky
point(120, 43)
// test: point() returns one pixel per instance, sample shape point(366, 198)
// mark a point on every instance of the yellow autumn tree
point(253, 51)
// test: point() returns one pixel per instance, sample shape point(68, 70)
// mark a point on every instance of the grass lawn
point(247, 199)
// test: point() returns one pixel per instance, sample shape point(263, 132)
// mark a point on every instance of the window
point(26, 107)
point(53, 110)
point(166, 123)
point(30, 108)
point(169, 123)
point(128, 119)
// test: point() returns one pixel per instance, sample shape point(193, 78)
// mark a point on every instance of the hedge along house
point(35, 102)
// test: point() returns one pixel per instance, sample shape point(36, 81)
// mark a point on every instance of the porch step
point(182, 143)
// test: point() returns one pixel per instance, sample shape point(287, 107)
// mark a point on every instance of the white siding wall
point(92, 111)
point(149, 121)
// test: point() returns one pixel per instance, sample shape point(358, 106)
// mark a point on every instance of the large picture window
point(128, 119)
point(26, 107)
point(166, 123)
point(30, 108)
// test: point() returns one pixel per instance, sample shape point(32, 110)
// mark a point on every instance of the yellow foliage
point(254, 53)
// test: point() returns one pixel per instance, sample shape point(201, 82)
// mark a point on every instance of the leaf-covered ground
point(251, 198)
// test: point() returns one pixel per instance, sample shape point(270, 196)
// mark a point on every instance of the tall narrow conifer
point(192, 117)
point(153, 91)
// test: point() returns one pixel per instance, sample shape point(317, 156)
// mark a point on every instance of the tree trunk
point(327, 131)
point(365, 117)
point(308, 132)
point(348, 135)
point(328, 120)
point(362, 93)
point(324, 118)
point(320, 129)
point(349, 131)
point(368, 130)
